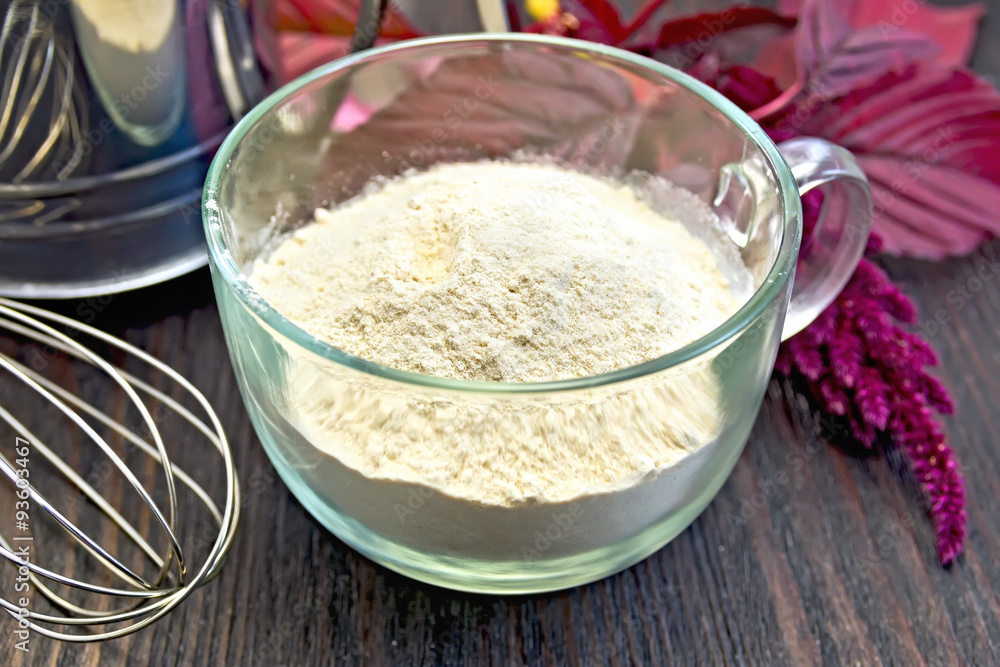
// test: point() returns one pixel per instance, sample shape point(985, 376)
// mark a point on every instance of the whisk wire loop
point(145, 600)
point(94, 359)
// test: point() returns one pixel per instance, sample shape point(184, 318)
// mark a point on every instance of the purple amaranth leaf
point(930, 209)
point(925, 133)
point(687, 29)
point(926, 138)
point(820, 32)
point(834, 58)
point(599, 21)
point(952, 28)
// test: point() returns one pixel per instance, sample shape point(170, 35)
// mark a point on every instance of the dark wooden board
point(809, 555)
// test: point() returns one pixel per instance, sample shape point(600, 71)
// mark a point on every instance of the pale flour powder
point(501, 272)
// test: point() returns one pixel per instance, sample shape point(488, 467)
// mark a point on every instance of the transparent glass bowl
point(462, 98)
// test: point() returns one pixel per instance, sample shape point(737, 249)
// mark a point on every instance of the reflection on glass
point(134, 54)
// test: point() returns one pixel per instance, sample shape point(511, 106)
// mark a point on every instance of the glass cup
point(524, 497)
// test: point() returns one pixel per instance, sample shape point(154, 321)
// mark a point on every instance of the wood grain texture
point(809, 555)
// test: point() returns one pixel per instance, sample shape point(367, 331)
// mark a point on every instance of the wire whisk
point(43, 109)
point(140, 600)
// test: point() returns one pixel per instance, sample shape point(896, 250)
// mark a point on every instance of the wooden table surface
point(809, 555)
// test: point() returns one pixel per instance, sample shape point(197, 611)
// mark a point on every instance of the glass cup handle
point(837, 242)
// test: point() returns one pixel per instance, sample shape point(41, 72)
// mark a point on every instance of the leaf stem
point(641, 18)
point(779, 102)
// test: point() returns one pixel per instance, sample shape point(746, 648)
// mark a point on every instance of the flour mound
point(498, 271)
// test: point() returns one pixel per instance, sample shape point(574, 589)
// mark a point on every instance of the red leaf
point(833, 58)
point(303, 51)
point(952, 28)
point(646, 15)
point(599, 21)
point(711, 25)
point(744, 86)
point(334, 17)
point(820, 33)
point(926, 138)
point(941, 212)
point(777, 60)
point(789, 7)
point(481, 106)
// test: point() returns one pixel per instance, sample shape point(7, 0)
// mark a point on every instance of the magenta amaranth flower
point(857, 359)
point(861, 365)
